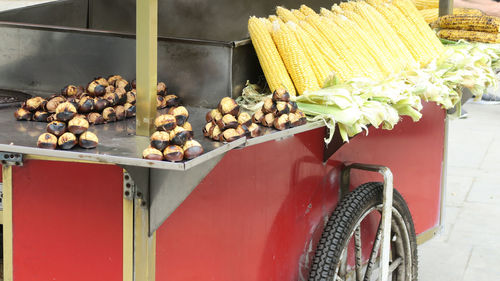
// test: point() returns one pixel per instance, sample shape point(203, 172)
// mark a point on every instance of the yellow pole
point(146, 65)
point(7, 223)
point(445, 7)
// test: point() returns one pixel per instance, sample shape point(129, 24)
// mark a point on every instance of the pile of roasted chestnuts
point(279, 112)
point(173, 139)
point(67, 130)
point(227, 123)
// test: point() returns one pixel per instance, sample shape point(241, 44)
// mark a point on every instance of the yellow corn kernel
point(307, 11)
point(470, 22)
point(272, 65)
point(298, 14)
point(286, 15)
point(471, 36)
point(295, 59)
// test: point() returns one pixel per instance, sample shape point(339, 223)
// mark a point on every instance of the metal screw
point(127, 193)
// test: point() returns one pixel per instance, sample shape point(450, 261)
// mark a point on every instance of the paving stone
point(485, 190)
point(442, 261)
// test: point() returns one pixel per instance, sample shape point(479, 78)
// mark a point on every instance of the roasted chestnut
point(282, 122)
point(86, 105)
point(129, 110)
point(227, 121)
point(133, 84)
point(179, 136)
point(78, 125)
point(65, 111)
point(120, 112)
point(67, 141)
point(95, 89)
point(215, 132)
point(192, 149)
point(100, 104)
point(281, 94)
point(88, 140)
point(244, 119)
point(112, 79)
point(80, 91)
point(53, 103)
point(161, 89)
point(258, 116)
point(268, 120)
point(165, 122)
point(69, 91)
point(23, 114)
point(122, 96)
point(254, 130)
point(171, 100)
point(152, 153)
point(47, 140)
point(282, 108)
point(95, 118)
point(34, 104)
point(111, 98)
point(110, 89)
point(173, 153)
point(83, 116)
point(187, 126)
point(131, 98)
point(102, 81)
point(213, 115)
point(51, 118)
point(160, 139)
point(180, 113)
point(73, 101)
point(230, 135)
point(109, 114)
point(207, 128)
point(243, 130)
point(160, 102)
point(269, 106)
point(56, 128)
point(229, 106)
point(41, 116)
point(122, 83)
point(302, 117)
point(293, 106)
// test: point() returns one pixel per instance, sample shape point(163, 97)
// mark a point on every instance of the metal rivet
point(127, 193)
point(126, 177)
point(128, 185)
point(139, 194)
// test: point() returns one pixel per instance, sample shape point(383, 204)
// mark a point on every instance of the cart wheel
point(341, 255)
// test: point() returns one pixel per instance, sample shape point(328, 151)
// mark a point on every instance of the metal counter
point(118, 143)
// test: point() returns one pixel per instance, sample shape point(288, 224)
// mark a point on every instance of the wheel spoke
point(359, 253)
point(343, 263)
point(397, 262)
point(374, 253)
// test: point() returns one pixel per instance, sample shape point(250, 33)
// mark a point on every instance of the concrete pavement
point(469, 247)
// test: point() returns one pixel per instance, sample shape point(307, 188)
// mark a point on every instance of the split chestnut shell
point(88, 140)
point(180, 113)
point(152, 153)
point(109, 114)
point(228, 121)
point(41, 116)
point(56, 128)
point(78, 125)
point(268, 120)
point(244, 119)
point(192, 149)
point(282, 122)
point(179, 136)
point(47, 140)
point(255, 130)
point(207, 128)
point(95, 118)
point(213, 115)
point(67, 141)
point(165, 122)
point(281, 94)
point(258, 116)
point(23, 114)
point(173, 153)
point(159, 140)
point(65, 111)
point(230, 135)
point(229, 106)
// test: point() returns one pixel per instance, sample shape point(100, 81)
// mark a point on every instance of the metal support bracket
point(11, 159)
point(128, 186)
point(386, 208)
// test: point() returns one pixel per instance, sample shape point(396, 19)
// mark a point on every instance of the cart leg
point(7, 223)
point(386, 209)
point(145, 245)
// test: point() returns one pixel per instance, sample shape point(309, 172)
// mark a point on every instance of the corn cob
point(377, 39)
point(307, 11)
point(472, 36)
point(431, 15)
point(408, 9)
point(347, 6)
point(319, 66)
point(326, 13)
point(426, 4)
point(298, 14)
point(470, 22)
point(336, 9)
point(295, 59)
point(334, 61)
point(340, 45)
point(273, 67)
point(406, 32)
point(286, 15)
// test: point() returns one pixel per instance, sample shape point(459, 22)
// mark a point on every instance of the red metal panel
point(257, 215)
point(67, 221)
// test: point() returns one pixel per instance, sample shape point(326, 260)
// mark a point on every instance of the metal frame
point(385, 226)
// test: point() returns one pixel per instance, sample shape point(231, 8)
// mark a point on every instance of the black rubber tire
point(342, 222)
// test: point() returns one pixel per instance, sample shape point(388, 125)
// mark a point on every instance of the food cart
point(252, 209)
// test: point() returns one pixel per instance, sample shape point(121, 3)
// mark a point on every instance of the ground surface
point(469, 247)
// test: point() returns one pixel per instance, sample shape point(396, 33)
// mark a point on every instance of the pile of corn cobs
point(173, 139)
